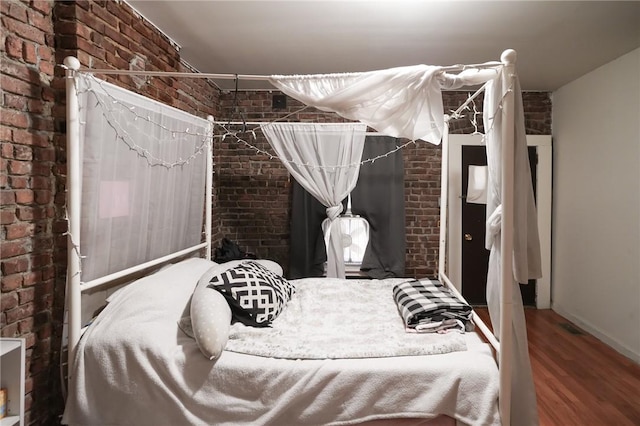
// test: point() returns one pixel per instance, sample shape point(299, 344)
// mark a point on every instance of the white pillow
point(210, 311)
point(210, 317)
point(113, 293)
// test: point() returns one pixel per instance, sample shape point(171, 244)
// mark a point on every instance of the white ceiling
point(556, 41)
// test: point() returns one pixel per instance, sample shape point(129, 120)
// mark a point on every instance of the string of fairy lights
point(237, 136)
point(113, 108)
point(120, 115)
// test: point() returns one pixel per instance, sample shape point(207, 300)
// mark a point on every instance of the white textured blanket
point(134, 356)
point(330, 318)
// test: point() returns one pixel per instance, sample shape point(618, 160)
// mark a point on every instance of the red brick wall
point(27, 188)
point(36, 35)
point(254, 192)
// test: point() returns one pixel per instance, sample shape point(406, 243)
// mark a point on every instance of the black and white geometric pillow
point(255, 294)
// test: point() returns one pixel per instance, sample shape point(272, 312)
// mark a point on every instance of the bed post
point(444, 197)
point(209, 188)
point(508, 58)
point(72, 292)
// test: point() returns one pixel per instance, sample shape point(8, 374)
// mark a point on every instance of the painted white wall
point(596, 203)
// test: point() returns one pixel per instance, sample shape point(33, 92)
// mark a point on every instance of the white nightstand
point(12, 361)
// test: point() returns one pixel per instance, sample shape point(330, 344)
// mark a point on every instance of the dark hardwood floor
point(579, 380)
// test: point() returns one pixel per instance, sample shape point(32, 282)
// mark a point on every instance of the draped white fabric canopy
point(403, 102)
point(399, 102)
point(325, 160)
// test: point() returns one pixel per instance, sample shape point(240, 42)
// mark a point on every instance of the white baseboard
point(624, 350)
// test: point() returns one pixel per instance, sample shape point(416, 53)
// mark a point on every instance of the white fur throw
point(331, 318)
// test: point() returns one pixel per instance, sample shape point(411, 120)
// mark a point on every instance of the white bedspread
point(334, 318)
point(134, 366)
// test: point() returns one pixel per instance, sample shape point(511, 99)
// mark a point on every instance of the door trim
point(543, 200)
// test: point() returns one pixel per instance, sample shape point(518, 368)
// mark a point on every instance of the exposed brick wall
point(254, 192)
point(27, 186)
point(108, 34)
point(36, 35)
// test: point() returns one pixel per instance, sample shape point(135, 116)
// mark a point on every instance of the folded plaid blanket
point(428, 306)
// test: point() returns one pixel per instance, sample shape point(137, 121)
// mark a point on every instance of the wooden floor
point(579, 380)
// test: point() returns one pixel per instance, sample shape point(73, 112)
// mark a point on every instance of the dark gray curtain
point(307, 255)
point(378, 197)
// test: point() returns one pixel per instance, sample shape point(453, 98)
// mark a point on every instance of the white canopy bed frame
point(503, 345)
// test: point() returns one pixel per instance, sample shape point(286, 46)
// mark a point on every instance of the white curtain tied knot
point(334, 211)
point(332, 214)
point(494, 226)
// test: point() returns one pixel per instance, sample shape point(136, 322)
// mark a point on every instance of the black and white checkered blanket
point(427, 306)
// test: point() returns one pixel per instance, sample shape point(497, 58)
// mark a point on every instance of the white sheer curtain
point(143, 178)
point(325, 160)
point(526, 244)
point(400, 102)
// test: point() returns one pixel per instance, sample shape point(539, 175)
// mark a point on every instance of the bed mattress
point(134, 366)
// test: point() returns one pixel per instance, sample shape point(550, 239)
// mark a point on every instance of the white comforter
point(334, 318)
point(135, 366)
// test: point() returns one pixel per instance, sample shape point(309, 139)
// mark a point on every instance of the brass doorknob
point(468, 237)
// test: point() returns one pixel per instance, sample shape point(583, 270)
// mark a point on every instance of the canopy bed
point(146, 343)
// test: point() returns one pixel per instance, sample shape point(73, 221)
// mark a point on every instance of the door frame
point(543, 204)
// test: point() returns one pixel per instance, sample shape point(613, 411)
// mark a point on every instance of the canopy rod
point(260, 123)
point(254, 77)
point(263, 123)
point(175, 74)
point(456, 113)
